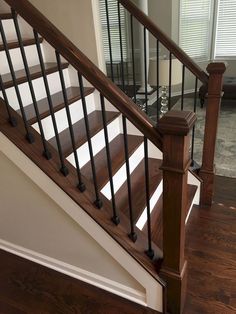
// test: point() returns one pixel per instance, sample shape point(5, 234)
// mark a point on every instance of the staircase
point(95, 144)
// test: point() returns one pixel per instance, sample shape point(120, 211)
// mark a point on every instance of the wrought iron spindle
point(11, 119)
point(132, 235)
point(121, 49)
point(64, 170)
point(182, 92)
point(97, 202)
point(194, 109)
point(109, 39)
point(115, 217)
point(170, 80)
point(158, 80)
point(133, 57)
point(46, 151)
point(149, 251)
point(81, 185)
point(145, 68)
point(29, 136)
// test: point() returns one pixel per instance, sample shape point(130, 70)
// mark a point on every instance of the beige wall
point(75, 19)
point(32, 220)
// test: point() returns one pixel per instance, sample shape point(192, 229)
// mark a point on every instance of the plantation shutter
point(195, 26)
point(225, 45)
point(114, 30)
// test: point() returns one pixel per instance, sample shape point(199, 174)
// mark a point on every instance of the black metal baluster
point(121, 49)
point(64, 170)
point(29, 136)
point(46, 152)
point(194, 109)
point(132, 235)
point(109, 39)
point(149, 251)
point(158, 80)
point(115, 217)
point(170, 79)
point(81, 185)
point(133, 57)
point(145, 68)
point(182, 92)
point(98, 202)
point(11, 119)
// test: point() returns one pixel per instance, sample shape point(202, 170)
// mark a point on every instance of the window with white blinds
point(114, 30)
point(195, 28)
point(225, 45)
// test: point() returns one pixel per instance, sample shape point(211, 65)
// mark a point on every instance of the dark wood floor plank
point(35, 71)
point(38, 290)
point(117, 153)
point(73, 94)
point(225, 190)
point(15, 44)
point(211, 253)
point(95, 123)
point(138, 188)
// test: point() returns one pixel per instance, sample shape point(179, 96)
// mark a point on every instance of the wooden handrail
point(165, 40)
point(81, 63)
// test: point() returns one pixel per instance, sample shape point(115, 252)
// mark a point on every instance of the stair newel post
point(207, 171)
point(175, 127)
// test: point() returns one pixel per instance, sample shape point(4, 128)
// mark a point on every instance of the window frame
point(215, 23)
point(126, 39)
point(211, 21)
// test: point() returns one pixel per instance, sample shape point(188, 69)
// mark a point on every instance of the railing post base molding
point(207, 171)
point(176, 288)
point(175, 127)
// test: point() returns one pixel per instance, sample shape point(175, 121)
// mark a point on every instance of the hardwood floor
point(26, 287)
point(211, 253)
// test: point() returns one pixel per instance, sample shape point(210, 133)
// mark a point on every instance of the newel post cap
point(216, 68)
point(177, 122)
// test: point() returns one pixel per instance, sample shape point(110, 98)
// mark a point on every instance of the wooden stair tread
point(5, 16)
point(35, 72)
point(95, 123)
point(12, 44)
point(138, 188)
point(73, 94)
point(117, 158)
point(157, 218)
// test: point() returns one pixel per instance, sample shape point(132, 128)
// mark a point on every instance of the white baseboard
point(75, 272)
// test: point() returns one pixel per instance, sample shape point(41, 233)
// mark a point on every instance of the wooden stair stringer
point(84, 200)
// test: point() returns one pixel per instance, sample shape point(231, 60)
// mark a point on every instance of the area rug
point(225, 157)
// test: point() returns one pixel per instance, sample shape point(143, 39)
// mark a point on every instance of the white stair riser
point(61, 117)
point(108, 105)
point(10, 31)
point(31, 55)
point(153, 200)
point(98, 143)
point(39, 89)
point(120, 177)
